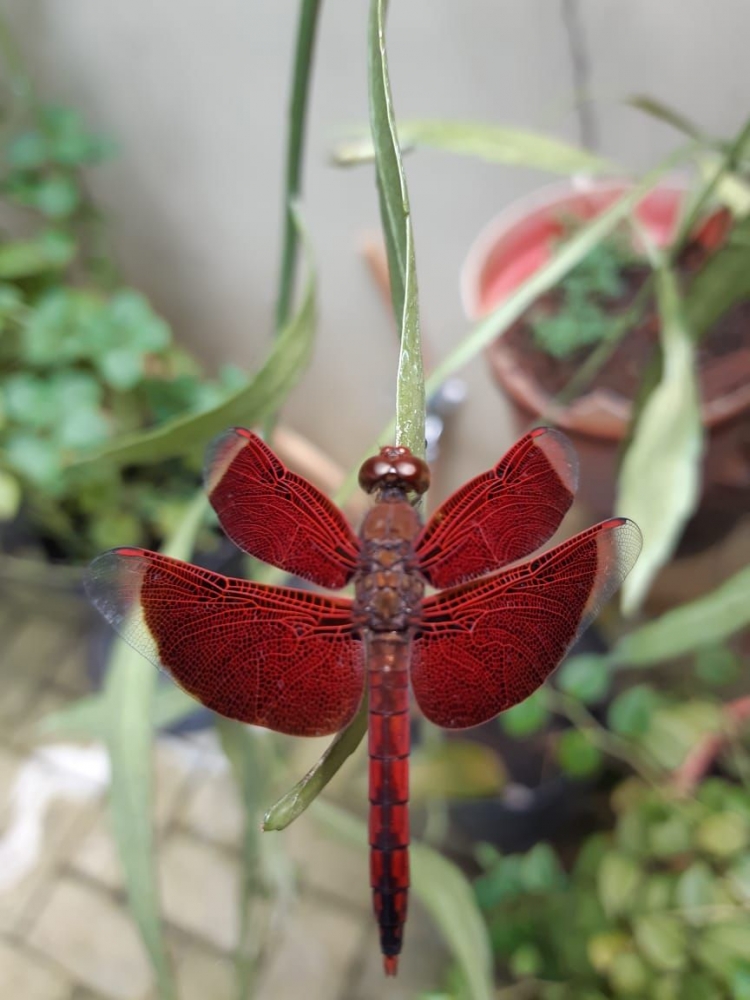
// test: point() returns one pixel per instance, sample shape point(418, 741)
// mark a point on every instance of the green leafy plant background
point(654, 905)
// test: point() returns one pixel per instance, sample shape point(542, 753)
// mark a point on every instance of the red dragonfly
point(299, 662)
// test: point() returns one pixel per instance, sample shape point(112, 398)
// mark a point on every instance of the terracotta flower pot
point(513, 247)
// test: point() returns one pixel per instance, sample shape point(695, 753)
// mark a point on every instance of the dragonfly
point(298, 661)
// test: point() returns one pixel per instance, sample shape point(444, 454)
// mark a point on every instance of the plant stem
point(728, 163)
point(308, 21)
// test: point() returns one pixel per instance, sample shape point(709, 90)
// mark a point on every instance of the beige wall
point(195, 91)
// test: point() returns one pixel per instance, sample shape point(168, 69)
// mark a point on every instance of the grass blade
point(663, 113)
point(659, 483)
point(297, 799)
point(492, 143)
point(303, 59)
point(129, 695)
point(399, 239)
point(241, 745)
point(704, 622)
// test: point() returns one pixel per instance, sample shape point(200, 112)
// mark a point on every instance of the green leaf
point(455, 769)
point(628, 974)
point(577, 755)
point(22, 259)
point(631, 712)
point(662, 112)
point(28, 151)
point(242, 747)
point(528, 717)
point(659, 482)
point(297, 799)
point(709, 619)
point(28, 400)
point(57, 196)
point(447, 895)
point(603, 949)
point(399, 239)
point(36, 459)
point(493, 143)
point(723, 281)
point(585, 677)
point(696, 890)
point(670, 836)
point(129, 695)
point(717, 665)
point(88, 717)
point(121, 367)
point(286, 362)
point(82, 428)
point(10, 496)
point(661, 940)
point(617, 883)
point(723, 835)
point(539, 870)
point(675, 730)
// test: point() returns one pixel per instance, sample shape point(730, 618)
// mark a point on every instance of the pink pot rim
point(545, 197)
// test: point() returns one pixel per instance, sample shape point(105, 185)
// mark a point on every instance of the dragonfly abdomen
point(388, 746)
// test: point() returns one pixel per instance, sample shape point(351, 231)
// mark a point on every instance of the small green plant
point(83, 359)
point(657, 908)
point(580, 318)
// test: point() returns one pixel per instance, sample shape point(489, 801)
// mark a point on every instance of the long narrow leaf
point(446, 894)
point(399, 239)
point(297, 799)
point(703, 622)
point(663, 113)
point(493, 143)
point(659, 481)
point(281, 371)
point(129, 694)
point(241, 746)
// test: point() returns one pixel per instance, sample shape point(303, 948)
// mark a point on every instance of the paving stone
point(328, 864)
point(213, 809)
point(421, 966)
point(51, 804)
point(202, 974)
point(94, 940)
point(201, 889)
point(96, 855)
point(24, 976)
point(72, 672)
point(316, 947)
point(25, 734)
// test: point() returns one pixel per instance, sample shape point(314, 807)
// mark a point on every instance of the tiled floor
point(65, 929)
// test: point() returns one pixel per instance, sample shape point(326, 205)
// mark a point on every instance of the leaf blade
point(485, 141)
point(129, 696)
point(659, 483)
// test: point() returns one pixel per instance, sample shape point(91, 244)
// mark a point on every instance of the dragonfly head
point(394, 467)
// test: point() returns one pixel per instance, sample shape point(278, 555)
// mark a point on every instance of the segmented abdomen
point(388, 745)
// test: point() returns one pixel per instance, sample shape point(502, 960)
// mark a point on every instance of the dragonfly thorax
point(388, 587)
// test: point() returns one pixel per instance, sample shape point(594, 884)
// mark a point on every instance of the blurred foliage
point(655, 909)
point(579, 316)
point(83, 359)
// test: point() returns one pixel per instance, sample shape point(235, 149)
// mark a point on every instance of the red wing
point(502, 515)
point(486, 645)
point(272, 656)
point(276, 515)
